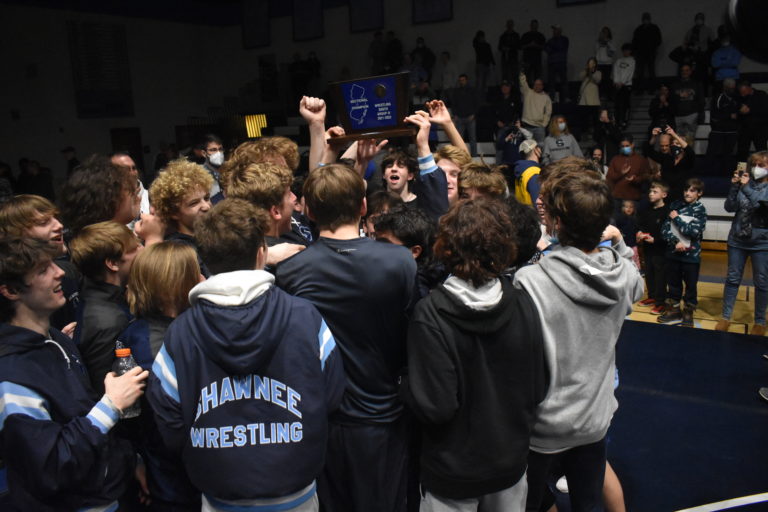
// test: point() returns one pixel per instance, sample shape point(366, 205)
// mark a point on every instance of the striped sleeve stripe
point(427, 165)
point(103, 416)
point(17, 399)
point(165, 370)
point(327, 343)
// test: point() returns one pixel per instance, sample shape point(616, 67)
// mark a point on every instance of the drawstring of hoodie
point(69, 366)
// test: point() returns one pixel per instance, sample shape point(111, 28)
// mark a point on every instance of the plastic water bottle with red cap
point(124, 362)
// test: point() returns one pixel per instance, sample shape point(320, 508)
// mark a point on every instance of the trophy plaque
point(372, 107)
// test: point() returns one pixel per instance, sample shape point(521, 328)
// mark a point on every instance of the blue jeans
point(737, 258)
point(584, 467)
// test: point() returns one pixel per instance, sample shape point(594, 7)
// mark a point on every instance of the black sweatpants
point(655, 277)
point(365, 468)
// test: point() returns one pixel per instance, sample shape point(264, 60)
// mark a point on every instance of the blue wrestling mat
point(691, 429)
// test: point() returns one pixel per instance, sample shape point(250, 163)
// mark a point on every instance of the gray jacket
point(582, 301)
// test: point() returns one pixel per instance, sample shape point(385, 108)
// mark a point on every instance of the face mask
point(561, 126)
point(676, 150)
point(759, 172)
point(217, 158)
point(626, 150)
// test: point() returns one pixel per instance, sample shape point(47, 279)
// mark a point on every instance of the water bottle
point(123, 363)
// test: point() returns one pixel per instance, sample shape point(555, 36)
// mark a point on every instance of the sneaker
point(658, 309)
point(722, 325)
point(646, 302)
point(562, 483)
point(763, 393)
point(687, 317)
point(758, 330)
point(671, 315)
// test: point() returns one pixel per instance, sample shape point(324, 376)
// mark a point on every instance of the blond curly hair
point(176, 181)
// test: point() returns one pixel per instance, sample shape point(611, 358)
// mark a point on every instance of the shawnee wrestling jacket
point(243, 386)
point(56, 437)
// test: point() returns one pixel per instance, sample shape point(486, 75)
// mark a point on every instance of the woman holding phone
point(748, 238)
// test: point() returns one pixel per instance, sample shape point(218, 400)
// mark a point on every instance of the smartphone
point(741, 168)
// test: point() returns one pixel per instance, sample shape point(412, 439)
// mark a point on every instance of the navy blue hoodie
point(56, 438)
point(243, 387)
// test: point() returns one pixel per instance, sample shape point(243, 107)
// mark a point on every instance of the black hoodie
point(475, 378)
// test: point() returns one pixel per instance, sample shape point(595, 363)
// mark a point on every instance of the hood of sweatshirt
point(475, 310)
point(239, 319)
point(597, 280)
point(522, 165)
point(16, 340)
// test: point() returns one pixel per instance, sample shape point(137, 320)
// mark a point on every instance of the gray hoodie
point(582, 301)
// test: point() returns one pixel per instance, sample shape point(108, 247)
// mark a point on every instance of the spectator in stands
point(509, 46)
point(660, 109)
point(607, 135)
point(98, 191)
point(650, 239)
point(70, 157)
point(589, 93)
point(394, 53)
point(537, 107)
point(241, 328)
point(687, 101)
point(605, 53)
point(160, 281)
point(622, 77)
point(123, 161)
point(645, 42)
point(103, 253)
point(560, 143)
point(465, 102)
point(423, 57)
point(59, 449)
point(725, 61)
point(580, 350)
point(335, 275)
point(377, 52)
point(748, 238)
point(7, 182)
point(675, 157)
point(180, 196)
point(699, 38)
point(724, 123)
point(683, 231)
point(33, 179)
point(753, 119)
point(557, 64)
point(476, 411)
point(598, 157)
point(484, 62)
point(526, 177)
point(532, 43)
point(509, 146)
point(416, 73)
point(506, 109)
point(448, 75)
point(627, 172)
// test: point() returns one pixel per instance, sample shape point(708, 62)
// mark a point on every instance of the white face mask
point(759, 172)
point(561, 127)
point(217, 158)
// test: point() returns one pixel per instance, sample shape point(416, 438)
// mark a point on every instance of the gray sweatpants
point(511, 499)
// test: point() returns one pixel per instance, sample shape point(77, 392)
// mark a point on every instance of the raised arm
point(313, 111)
point(438, 114)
